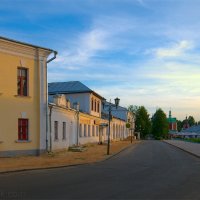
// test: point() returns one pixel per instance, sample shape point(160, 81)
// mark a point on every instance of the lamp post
point(110, 105)
point(50, 128)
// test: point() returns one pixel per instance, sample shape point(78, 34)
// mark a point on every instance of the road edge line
point(193, 154)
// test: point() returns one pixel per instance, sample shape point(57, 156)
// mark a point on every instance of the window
point(80, 130)
point(55, 130)
point(89, 131)
point(97, 131)
point(22, 129)
point(107, 130)
point(22, 81)
point(92, 105)
point(64, 131)
point(95, 106)
point(85, 130)
point(93, 130)
point(98, 107)
point(113, 131)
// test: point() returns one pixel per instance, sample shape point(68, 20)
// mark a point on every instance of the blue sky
point(147, 52)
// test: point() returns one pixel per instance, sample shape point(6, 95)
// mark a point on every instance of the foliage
point(193, 140)
point(133, 109)
point(128, 125)
point(179, 125)
point(190, 120)
point(160, 125)
point(142, 120)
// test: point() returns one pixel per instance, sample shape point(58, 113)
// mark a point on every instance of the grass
point(197, 140)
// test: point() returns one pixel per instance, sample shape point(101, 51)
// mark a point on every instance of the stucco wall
point(62, 115)
point(83, 100)
point(13, 107)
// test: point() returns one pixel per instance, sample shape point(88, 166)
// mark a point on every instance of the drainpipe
point(50, 129)
point(77, 142)
point(47, 123)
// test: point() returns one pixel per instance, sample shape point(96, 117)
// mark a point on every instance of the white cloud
point(175, 50)
point(94, 40)
point(154, 82)
point(105, 35)
point(83, 48)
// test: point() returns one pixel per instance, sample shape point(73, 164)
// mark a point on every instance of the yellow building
point(23, 97)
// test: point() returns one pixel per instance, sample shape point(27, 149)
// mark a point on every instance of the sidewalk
point(93, 153)
point(192, 148)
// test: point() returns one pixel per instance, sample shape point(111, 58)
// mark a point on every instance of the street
point(151, 170)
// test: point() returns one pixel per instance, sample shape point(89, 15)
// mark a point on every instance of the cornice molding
point(23, 50)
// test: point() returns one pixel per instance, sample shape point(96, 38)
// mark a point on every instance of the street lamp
point(50, 128)
point(110, 105)
point(117, 102)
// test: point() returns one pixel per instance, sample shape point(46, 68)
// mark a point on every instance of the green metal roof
point(171, 120)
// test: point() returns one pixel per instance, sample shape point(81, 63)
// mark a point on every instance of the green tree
point(191, 121)
point(142, 120)
point(179, 125)
point(160, 125)
point(133, 109)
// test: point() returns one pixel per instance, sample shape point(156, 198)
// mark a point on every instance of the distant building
point(186, 124)
point(120, 117)
point(172, 123)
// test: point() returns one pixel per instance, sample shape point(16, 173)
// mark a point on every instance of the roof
point(192, 129)
point(120, 112)
point(70, 87)
point(171, 120)
point(24, 43)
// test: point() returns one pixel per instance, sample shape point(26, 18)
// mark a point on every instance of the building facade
point(23, 98)
point(85, 124)
point(172, 123)
point(69, 126)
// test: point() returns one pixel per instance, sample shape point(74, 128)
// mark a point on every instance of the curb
point(64, 166)
point(193, 154)
point(111, 156)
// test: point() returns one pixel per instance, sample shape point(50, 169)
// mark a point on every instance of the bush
point(193, 140)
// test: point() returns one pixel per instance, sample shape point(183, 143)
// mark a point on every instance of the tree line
point(156, 126)
point(190, 120)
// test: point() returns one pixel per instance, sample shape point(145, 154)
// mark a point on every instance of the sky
point(146, 52)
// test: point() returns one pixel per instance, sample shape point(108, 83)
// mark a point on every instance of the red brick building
point(172, 122)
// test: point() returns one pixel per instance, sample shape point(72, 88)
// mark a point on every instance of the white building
point(75, 91)
point(73, 125)
point(120, 117)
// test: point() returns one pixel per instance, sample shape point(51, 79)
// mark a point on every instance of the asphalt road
point(151, 170)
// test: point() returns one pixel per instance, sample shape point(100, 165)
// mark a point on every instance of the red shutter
point(23, 129)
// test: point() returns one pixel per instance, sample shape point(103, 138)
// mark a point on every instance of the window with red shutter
point(22, 129)
point(22, 81)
